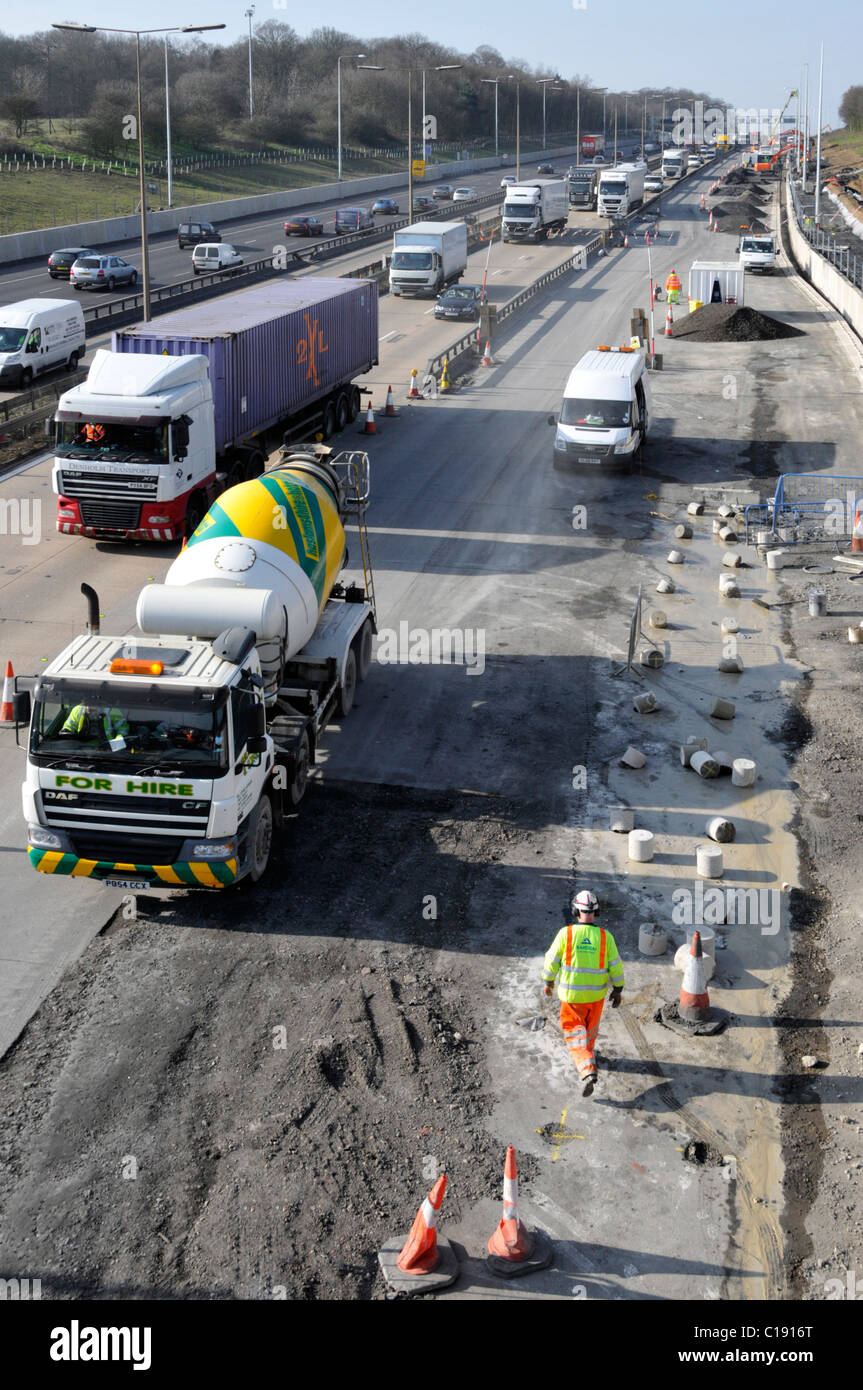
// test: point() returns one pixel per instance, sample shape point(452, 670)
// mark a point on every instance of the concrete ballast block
point(722, 709)
point(732, 559)
point(731, 664)
point(652, 940)
point(658, 618)
point(665, 586)
point(695, 509)
point(621, 819)
point(676, 557)
point(633, 757)
point(721, 830)
point(743, 773)
point(645, 704)
point(640, 846)
point(683, 532)
point(708, 861)
point(704, 764)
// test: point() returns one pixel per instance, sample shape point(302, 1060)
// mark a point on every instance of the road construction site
point(244, 1095)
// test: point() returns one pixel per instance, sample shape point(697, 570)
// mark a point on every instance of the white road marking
point(387, 336)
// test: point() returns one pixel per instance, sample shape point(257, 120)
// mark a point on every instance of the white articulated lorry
point(427, 257)
point(621, 190)
point(532, 210)
point(171, 757)
point(674, 164)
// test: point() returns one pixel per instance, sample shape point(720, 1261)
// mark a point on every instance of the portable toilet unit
point(715, 282)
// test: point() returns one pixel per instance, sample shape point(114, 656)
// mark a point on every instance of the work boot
point(588, 1083)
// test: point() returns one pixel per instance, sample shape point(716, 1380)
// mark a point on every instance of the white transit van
point(758, 253)
point(38, 334)
point(605, 414)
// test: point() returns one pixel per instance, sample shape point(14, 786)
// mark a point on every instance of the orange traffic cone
point(6, 706)
point(370, 427)
point(626, 241)
point(413, 393)
point(488, 360)
point(856, 538)
point(510, 1241)
point(419, 1253)
point(669, 322)
point(703, 201)
point(694, 999)
point(389, 408)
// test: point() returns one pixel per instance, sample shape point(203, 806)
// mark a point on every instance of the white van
point(758, 253)
point(212, 255)
point(38, 334)
point(605, 414)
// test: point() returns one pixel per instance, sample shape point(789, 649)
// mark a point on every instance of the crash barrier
point(835, 272)
point(471, 341)
point(806, 508)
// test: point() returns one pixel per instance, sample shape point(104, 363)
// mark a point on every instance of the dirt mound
point(732, 323)
point(740, 215)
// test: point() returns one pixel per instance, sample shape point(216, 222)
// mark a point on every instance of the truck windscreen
point(594, 415)
point(411, 260)
point(616, 187)
point(120, 440)
point(114, 729)
point(519, 210)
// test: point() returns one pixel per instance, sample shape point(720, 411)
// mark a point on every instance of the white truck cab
point(758, 253)
point(605, 415)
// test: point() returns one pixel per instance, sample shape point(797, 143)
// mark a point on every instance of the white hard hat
point(586, 901)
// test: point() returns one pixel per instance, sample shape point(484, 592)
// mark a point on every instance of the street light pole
point(818, 146)
point(249, 12)
point(168, 131)
point(339, 101)
point(545, 82)
point(494, 82)
point(578, 125)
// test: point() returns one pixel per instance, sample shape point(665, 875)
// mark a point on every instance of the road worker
point(583, 958)
point(94, 434)
point(86, 721)
point(672, 287)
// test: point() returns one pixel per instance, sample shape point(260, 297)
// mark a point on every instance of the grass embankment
point(842, 155)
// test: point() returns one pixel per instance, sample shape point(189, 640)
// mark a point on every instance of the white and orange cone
point(856, 537)
point(413, 393)
point(694, 999)
point(669, 323)
point(626, 241)
point(488, 360)
point(390, 408)
point(703, 201)
point(6, 706)
point(370, 427)
point(419, 1253)
point(510, 1240)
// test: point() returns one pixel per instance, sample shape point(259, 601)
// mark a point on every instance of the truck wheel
point(348, 687)
point(328, 423)
point(27, 378)
point(353, 404)
point(260, 839)
point(363, 646)
point(194, 514)
point(255, 466)
point(300, 781)
point(342, 412)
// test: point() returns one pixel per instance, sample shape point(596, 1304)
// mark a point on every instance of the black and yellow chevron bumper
point(194, 874)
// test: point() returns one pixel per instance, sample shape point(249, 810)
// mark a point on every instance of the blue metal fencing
point(808, 508)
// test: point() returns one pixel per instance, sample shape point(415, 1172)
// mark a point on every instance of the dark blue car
point(389, 206)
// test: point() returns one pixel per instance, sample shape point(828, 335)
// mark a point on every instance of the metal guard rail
point(848, 263)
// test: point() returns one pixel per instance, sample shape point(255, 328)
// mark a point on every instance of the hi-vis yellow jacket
point(585, 958)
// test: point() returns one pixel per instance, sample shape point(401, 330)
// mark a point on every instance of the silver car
point(101, 273)
point(462, 195)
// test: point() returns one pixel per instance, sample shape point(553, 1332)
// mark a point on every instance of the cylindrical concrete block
point(722, 709)
point(621, 819)
point(640, 846)
point(651, 658)
point(817, 603)
point(665, 586)
point(776, 559)
point(855, 634)
point(767, 538)
point(729, 624)
point(692, 745)
point(682, 954)
point(728, 535)
point(728, 586)
point(717, 525)
point(732, 559)
point(725, 510)
point(731, 664)
point(721, 830)
point(695, 509)
point(708, 940)
point(658, 618)
point(704, 764)
point(652, 940)
point(683, 532)
point(633, 758)
point(708, 861)
point(645, 704)
point(724, 758)
point(743, 773)
point(676, 557)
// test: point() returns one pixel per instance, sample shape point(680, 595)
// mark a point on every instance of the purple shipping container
point(272, 349)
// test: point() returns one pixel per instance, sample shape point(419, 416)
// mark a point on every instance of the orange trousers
point(580, 1024)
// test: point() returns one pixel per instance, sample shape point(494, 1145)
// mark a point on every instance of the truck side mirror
point(21, 706)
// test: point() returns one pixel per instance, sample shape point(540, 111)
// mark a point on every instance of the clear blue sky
point(750, 54)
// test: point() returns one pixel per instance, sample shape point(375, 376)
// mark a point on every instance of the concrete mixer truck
point(171, 758)
point(181, 407)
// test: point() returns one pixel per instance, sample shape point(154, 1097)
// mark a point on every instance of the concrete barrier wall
point(845, 297)
point(22, 246)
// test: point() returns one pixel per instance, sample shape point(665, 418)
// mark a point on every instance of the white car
point(215, 255)
point(653, 183)
point(508, 180)
point(462, 195)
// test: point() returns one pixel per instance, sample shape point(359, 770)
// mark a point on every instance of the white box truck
point(621, 190)
point(38, 334)
point(715, 282)
point(427, 256)
point(673, 164)
point(532, 210)
point(605, 415)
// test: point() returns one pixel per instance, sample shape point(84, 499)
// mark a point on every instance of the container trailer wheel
point(342, 412)
point(328, 421)
point(348, 687)
point(353, 404)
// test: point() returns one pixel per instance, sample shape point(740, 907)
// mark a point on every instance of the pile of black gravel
point(739, 215)
point(732, 323)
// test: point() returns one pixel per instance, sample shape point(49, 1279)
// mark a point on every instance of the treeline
point(851, 108)
point(85, 84)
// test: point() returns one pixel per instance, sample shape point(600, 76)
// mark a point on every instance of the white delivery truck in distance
point(427, 257)
point(38, 334)
point(532, 210)
point(758, 253)
point(605, 415)
point(621, 190)
point(673, 165)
